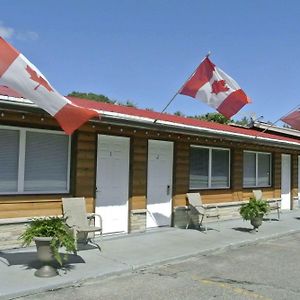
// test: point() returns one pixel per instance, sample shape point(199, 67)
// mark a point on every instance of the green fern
point(254, 208)
point(54, 227)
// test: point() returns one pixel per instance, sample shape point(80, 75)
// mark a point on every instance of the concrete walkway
point(133, 251)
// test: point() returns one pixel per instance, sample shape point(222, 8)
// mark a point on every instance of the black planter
point(45, 256)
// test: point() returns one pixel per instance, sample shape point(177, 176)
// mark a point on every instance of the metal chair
point(274, 204)
point(79, 221)
point(196, 207)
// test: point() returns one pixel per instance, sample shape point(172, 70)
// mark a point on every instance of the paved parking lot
point(267, 270)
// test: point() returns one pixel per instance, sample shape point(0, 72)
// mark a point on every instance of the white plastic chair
point(79, 221)
point(274, 205)
point(205, 213)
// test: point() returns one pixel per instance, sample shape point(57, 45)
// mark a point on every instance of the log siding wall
point(84, 150)
point(138, 181)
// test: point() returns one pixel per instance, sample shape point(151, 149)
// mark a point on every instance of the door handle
point(168, 189)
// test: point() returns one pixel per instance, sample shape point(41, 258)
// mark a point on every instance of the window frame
point(256, 169)
point(209, 187)
point(21, 161)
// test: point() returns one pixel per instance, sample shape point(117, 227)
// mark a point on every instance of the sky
point(143, 51)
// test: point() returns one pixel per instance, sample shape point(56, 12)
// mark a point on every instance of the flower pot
point(45, 256)
point(256, 222)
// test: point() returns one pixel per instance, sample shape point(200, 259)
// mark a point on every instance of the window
point(9, 158)
point(257, 169)
point(209, 168)
point(33, 161)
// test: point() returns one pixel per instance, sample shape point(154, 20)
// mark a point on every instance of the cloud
point(6, 32)
point(22, 35)
point(27, 35)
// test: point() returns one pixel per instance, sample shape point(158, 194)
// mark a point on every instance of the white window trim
point(21, 162)
point(256, 169)
point(210, 169)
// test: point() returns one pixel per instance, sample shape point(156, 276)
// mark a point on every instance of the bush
point(54, 227)
point(254, 208)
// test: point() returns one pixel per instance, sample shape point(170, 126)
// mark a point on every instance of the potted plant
point(49, 234)
point(254, 211)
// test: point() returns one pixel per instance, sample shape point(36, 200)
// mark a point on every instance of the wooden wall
point(236, 192)
point(83, 170)
point(181, 172)
point(138, 168)
point(85, 163)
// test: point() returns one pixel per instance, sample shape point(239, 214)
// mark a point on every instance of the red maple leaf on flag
point(219, 86)
point(39, 79)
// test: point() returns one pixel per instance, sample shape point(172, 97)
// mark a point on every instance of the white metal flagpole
point(207, 55)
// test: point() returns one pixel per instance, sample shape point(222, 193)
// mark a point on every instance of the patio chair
point(79, 221)
point(274, 205)
point(196, 207)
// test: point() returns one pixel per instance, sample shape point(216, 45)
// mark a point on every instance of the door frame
point(290, 179)
point(129, 177)
point(172, 180)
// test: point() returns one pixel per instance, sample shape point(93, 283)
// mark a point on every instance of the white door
point(112, 182)
point(285, 181)
point(159, 183)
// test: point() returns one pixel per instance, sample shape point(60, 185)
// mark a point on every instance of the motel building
point(133, 171)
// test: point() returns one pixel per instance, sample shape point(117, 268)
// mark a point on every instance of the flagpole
point(206, 56)
point(272, 124)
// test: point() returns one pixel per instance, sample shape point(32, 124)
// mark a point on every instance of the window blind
point(46, 162)
point(9, 160)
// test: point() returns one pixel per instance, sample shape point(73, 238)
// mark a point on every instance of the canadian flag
point(292, 119)
point(214, 87)
point(18, 73)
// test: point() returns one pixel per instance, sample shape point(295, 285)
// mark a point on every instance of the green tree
point(213, 117)
point(129, 104)
point(92, 96)
point(100, 98)
point(244, 121)
point(179, 113)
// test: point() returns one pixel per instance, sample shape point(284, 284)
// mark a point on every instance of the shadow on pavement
point(29, 260)
point(270, 219)
point(243, 229)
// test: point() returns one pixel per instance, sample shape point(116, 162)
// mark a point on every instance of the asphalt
point(121, 254)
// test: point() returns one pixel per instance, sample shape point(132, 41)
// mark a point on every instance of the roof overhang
point(114, 118)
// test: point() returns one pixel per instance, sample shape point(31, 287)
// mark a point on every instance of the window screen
point(249, 169)
point(209, 168)
point(46, 162)
point(257, 169)
point(199, 168)
point(263, 174)
point(9, 160)
point(220, 168)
